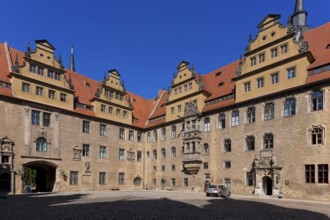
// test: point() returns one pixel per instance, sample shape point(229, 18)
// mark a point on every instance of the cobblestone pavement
point(155, 205)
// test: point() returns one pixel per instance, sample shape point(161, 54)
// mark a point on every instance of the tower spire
point(299, 16)
point(72, 65)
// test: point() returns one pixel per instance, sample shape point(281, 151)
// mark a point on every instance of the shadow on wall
point(34, 206)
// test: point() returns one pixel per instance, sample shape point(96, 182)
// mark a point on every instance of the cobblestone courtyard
point(156, 205)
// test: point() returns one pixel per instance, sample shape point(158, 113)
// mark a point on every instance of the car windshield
point(213, 186)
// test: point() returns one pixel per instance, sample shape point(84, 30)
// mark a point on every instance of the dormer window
point(87, 84)
point(218, 74)
point(220, 84)
point(40, 71)
point(273, 53)
point(33, 68)
point(253, 61)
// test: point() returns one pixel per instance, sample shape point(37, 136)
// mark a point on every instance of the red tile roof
point(318, 40)
point(141, 109)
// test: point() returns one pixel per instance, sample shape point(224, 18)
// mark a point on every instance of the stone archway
point(206, 185)
point(46, 175)
point(267, 185)
point(163, 184)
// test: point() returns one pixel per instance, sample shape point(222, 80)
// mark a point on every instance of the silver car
point(217, 190)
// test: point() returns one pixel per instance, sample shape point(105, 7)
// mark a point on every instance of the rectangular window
point(40, 71)
point(173, 167)
point(131, 135)
point(261, 58)
point(39, 91)
point(57, 76)
point(46, 119)
point(227, 145)
point(207, 124)
point(121, 178)
point(190, 85)
point(317, 100)
point(310, 173)
point(118, 112)
point(260, 82)
point(247, 87)
point(173, 183)
point(172, 110)
point(121, 154)
point(273, 53)
point(250, 145)
point(35, 119)
point(139, 136)
point(50, 74)
point(103, 152)
point(110, 110)
point(253, 61)
point(249, 178)
point(85, 150)
point(63, 97)
point(185, 182)
point(205, 165)
point(86, 127)
point(139, 156)
point(323, 173)
point(222, 121)
point(51, 94)
point(33, 68)
point(235, 118)
point(269, 111)
point(125, 114)
point(102, 178)
point(227, 164)
point(179, 108)
point(122, 133)
point(274, 78)
point(154, 168)
point(251, 115)
point(102, 108)
point(163, 168)
point(291, 73)
point(25, 87)
point(5, 159)
point(73, 177)
point(289, 107)
point(103, 130)
point(284, 49)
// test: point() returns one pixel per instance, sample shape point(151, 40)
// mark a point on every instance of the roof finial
point(250, 38)
point(72, 65)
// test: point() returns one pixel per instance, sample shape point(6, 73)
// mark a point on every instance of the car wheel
point(207, 194)
point(229, 194)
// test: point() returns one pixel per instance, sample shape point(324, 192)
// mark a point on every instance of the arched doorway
point(163, 182)
point(206, 185)
point(137, 181)
point(267, 185)
point(46, 175)
point(5, 182)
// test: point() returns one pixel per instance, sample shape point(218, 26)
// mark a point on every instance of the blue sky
point(145, 40)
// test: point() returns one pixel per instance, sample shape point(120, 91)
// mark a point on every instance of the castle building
point(259, 125)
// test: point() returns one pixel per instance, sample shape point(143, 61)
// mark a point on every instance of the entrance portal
point(5, 182)
point(267, 185)
point(46, 173)
point(206, 185)
point(163, 184)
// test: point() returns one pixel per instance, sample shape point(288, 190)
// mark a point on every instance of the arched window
point(41, 145)
point(163, 153)
point(173, 132)
point(268, 141)
point(137, 181)
point(154, 152)
point(316, 135)
point(206, 149)
point(227, 145)
point(173, 152)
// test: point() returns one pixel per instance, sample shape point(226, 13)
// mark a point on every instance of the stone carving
point(87, 167)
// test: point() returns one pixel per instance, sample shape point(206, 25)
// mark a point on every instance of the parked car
point(217, 190)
